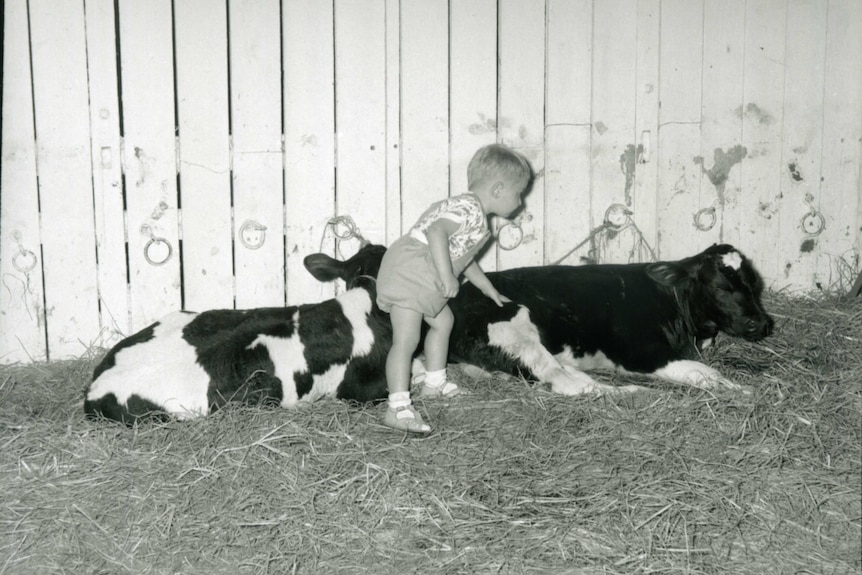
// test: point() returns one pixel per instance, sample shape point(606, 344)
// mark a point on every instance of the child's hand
point(450, 285)
point(498, 298)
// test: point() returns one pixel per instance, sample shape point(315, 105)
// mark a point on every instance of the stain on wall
point(755, 112)
point(722, 162)
point(794, 172)
point(628, 164)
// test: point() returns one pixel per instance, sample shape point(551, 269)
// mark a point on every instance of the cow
point(190, 364)
point(644, 318)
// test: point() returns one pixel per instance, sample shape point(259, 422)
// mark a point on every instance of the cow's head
point(355, 272)
point(722, 291)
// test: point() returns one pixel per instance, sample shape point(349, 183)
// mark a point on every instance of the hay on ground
point(514, 480)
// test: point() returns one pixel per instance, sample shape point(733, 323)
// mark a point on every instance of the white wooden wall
point(189, 153)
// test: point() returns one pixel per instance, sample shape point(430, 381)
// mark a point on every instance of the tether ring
point(29, 265)
point(516, 242)
point(704, 220)
point(156, 241)
point(813, 223)
point(256, 233)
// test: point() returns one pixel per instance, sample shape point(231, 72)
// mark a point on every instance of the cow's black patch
point(136, 409)
point(109, 360)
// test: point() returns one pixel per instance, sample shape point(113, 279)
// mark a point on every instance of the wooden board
point(22, 313)
point(521, 122)
point(568, 130)
point(360, 114)
point(204, 158)
point(149, 158)
point(838, 262)
point(110, 215)
point(309, 141)
point(61, 102)
point(614, 143)
point(762, 120)
point(424, 77)
point(721, 150)
point(679, 128)
point(801, 145)
point(644, 198)
point(258, 181)
point(394, 229)
point(472, 93)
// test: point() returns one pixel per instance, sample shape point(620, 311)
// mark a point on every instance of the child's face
point(507, 198)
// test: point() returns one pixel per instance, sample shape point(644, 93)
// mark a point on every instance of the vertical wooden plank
point(309, 140)
point(614, 145)
point(473, 84)
point(567, 134)
point(360, 113)
point(258, 199)
point(394, 228)
point(679, 127)
point(521, 120)
point(472, 92)
point(65, 176)
point(801, 143)
point(149, 162)
point(22, 313)
point(643, 162)
point(762, 120)
point(107, 171)
point(202, 114)
point(424, 106)
point(721, 151)
point(842, 148)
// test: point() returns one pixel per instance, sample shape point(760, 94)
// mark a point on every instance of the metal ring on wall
point(153, 241)
point(813, 223)
point(519, 236)
point(252, 226)
point(704, 220)
point(26, 267)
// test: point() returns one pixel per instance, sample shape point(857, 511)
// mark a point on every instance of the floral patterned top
point(466, 211)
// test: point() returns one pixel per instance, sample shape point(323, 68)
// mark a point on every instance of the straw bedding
point(514, 480)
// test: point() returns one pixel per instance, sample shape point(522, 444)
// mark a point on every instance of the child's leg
point(406, 326)
point(437, 353)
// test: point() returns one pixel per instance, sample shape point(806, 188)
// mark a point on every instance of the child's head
point(499, 175)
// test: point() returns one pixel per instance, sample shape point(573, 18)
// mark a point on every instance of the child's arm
point(438, 244)
point(478, 278)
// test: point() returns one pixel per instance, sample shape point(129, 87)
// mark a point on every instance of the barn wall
point(190, 153)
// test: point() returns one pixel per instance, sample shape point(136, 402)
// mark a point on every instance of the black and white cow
point(644, 318)
point(641, 318)
point(190, 364)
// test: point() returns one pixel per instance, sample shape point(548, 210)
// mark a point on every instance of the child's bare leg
point(401, 415)
point(436, 355)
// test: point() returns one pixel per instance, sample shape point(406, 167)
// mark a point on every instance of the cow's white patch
point(288, 358)
point(519, 338)
point(586, 362)
point(326, 384)
point(163, 370)
point(732, 260)
point(356, 305)
point(696, 374)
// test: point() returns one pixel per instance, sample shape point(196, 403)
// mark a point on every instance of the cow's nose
point(758, 327)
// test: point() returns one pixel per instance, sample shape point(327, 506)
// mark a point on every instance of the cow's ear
point(323, 267)
point(669, 274)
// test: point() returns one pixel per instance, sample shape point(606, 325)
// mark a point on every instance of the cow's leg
point(695, 374)
point(519, 338)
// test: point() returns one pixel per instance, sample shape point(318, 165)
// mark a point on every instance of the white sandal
point(405, 419)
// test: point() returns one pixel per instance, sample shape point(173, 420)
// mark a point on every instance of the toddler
point(420, 271)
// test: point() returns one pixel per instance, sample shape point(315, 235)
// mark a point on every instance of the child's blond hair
point(496, 159)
